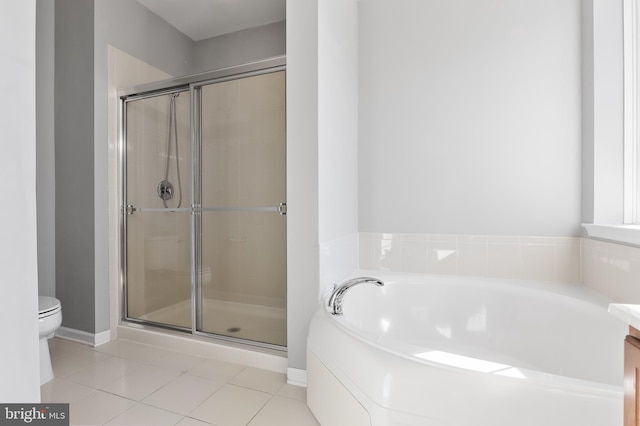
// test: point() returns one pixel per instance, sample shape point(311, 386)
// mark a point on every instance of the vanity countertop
point(630, 314)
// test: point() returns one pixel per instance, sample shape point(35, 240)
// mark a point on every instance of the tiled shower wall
point(158, 242)
point(610, 269)
point(243, 166)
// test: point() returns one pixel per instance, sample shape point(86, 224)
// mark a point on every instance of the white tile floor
point(128, 383)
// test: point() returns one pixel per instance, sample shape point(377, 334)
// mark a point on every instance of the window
point(615, 211)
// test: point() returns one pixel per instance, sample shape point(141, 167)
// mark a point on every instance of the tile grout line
point(261, 408)
point(226, 381)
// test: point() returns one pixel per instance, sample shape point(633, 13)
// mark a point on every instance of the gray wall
point(128, 26)
point(240, 47)
point(74, 156)
point(83, 29)
point(45, 154)
point(74, 185)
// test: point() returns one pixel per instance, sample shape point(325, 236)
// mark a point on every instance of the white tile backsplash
point(442, 257)
point(413, 257)
point(613, 270)
point(473, 257)
point(521, 257)
point(567, 258)
point(537, 261)
point(504, 259)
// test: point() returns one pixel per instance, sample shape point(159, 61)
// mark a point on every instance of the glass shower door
point(204, 204)
point(243, 193)
point(157, 219)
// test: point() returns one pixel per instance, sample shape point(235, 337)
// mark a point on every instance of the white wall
point(321, 157)
point(19, 359)
point(337, 118)
point(602, 122)
point(337, 140)
point(302, 175)
point(470, 117)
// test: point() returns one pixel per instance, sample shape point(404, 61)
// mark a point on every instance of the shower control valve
point(165, 190)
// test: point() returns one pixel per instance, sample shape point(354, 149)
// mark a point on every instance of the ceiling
point(202, 19)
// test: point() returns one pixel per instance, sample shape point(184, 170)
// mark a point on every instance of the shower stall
point(204, 204)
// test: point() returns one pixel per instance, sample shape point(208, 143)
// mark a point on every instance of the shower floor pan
point(247, 321)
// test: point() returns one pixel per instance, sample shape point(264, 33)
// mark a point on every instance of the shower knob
point(165, 190)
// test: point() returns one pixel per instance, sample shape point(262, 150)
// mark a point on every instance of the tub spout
point(335, 301)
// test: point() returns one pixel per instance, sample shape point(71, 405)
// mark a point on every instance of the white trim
point(629, 314)
point(627, 234)
point(630, 46)
point(297, 377)
point(83, 337)
point(102, 338)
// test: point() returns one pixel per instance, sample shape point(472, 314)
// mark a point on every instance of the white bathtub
point(435, 350)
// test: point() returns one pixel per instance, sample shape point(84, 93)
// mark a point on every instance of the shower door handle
point(282, 209)
point(130, 209)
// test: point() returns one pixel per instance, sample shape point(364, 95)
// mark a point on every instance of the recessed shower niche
point(204, 204)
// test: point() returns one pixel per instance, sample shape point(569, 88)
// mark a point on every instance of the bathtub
point(435, 350)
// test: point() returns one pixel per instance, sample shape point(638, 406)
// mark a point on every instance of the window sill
point(626, 234)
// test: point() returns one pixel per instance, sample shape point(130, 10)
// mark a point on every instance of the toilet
point(49, 320)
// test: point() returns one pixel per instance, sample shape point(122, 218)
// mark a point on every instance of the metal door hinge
point(282, 209)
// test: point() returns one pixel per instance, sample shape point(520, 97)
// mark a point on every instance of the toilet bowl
point(49, 320)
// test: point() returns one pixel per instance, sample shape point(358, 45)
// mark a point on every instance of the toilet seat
point(47, 306)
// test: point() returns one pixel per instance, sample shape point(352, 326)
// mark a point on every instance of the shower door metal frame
point(127, 209)
point(193, 84)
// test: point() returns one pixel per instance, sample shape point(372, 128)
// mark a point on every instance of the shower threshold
point(257, 323)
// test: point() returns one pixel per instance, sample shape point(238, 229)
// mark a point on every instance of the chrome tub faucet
point(335, 301)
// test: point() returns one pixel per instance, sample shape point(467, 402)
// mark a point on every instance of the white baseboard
point(83, 337)
point(102, 337)
point(297, 377)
